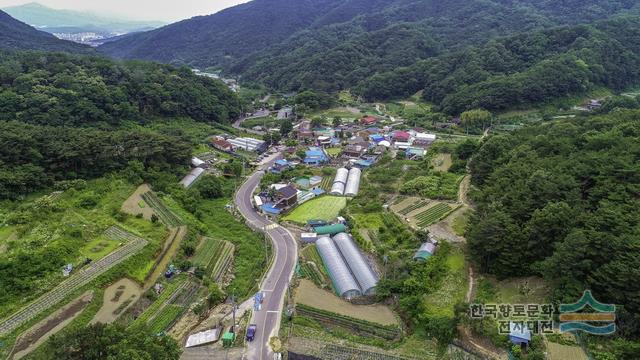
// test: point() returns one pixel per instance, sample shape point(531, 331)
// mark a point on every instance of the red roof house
point(402, 136)
point(368, 120)
point(222, 144)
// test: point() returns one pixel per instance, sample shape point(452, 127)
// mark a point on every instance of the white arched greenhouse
point(340, 182)
point(366, 278)
point(343, 282)
point(353, 182)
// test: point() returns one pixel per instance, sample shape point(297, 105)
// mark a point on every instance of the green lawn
point(322, 208)
point(335, 151)
point(98, 248)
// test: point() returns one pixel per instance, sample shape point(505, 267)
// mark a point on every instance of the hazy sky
point(165, 10)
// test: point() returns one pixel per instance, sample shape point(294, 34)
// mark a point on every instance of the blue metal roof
point(269, 208)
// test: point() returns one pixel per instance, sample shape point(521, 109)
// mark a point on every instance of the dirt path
point(171, 246)
point(482, 346)
point(132, 204)
point(42, 331)
point(118, 297)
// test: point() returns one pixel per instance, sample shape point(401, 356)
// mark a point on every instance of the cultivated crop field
point(322, 208)
point(433, 214)
point(363, 327)
point(312, 267)
point(215, 256)
point(160, 314)
point(165, 215)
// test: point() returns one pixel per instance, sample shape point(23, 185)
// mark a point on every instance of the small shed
point(308, 238)
point(425, 251)
point(519, 333)
point(314, 222)
point(331, 229)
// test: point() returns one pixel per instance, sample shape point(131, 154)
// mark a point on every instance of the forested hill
point(562, 199)
point(330, 44)
point(521, 70)
point(16, 35)
point(67, 117)
point(79, 90)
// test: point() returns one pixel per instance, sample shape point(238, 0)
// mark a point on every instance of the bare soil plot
point(43, 330)
point(135, 205)
point(564, 352)
point(442, 162)
point(308, 294)
point(118, 297)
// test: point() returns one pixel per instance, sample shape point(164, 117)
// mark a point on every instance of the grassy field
point(454, 286)
point(322, 208)
point(459, 224)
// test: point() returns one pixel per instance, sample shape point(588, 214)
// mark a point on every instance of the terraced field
point(165, 215)
point(215, 256)
point(359, 326)
point(433, 214)
point(171, 289)
point(77, 280)
point(415, 206)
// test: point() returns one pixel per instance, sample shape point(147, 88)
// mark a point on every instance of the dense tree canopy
point(561, 199)
point(78, 90)
point(113, 342)
point(34, 156)
point(521, 69)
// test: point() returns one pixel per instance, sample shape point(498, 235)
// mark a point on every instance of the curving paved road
point(274, 285)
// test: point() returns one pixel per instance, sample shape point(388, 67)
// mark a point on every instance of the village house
point(353, 151)
point(287, 196)
point(222, 145)
point(285, 113)
point(368, 120)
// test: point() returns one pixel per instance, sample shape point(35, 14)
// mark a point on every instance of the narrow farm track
point(74, 282)
point(173, 244)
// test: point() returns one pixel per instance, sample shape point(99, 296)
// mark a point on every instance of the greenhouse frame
point(344, 283)
point(364, 275)
point(353, 182)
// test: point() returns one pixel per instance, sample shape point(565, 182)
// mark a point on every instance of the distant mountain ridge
point(16, 35)
point(78, 26)
point(44, 18)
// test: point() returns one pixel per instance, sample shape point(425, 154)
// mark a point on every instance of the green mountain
point(331, 45)
point(55, 20)
point(20, 36)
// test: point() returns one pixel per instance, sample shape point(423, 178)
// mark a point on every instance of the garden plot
point(165, 215)
point(312, 268)
point(43, 330)
point(358, 326)
point(75, 282)
point(432, 214)
point(215, 256)
point(442, 162)
point(118, 297)
point(169, 305)
point(310, 295)
point(135, 205)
